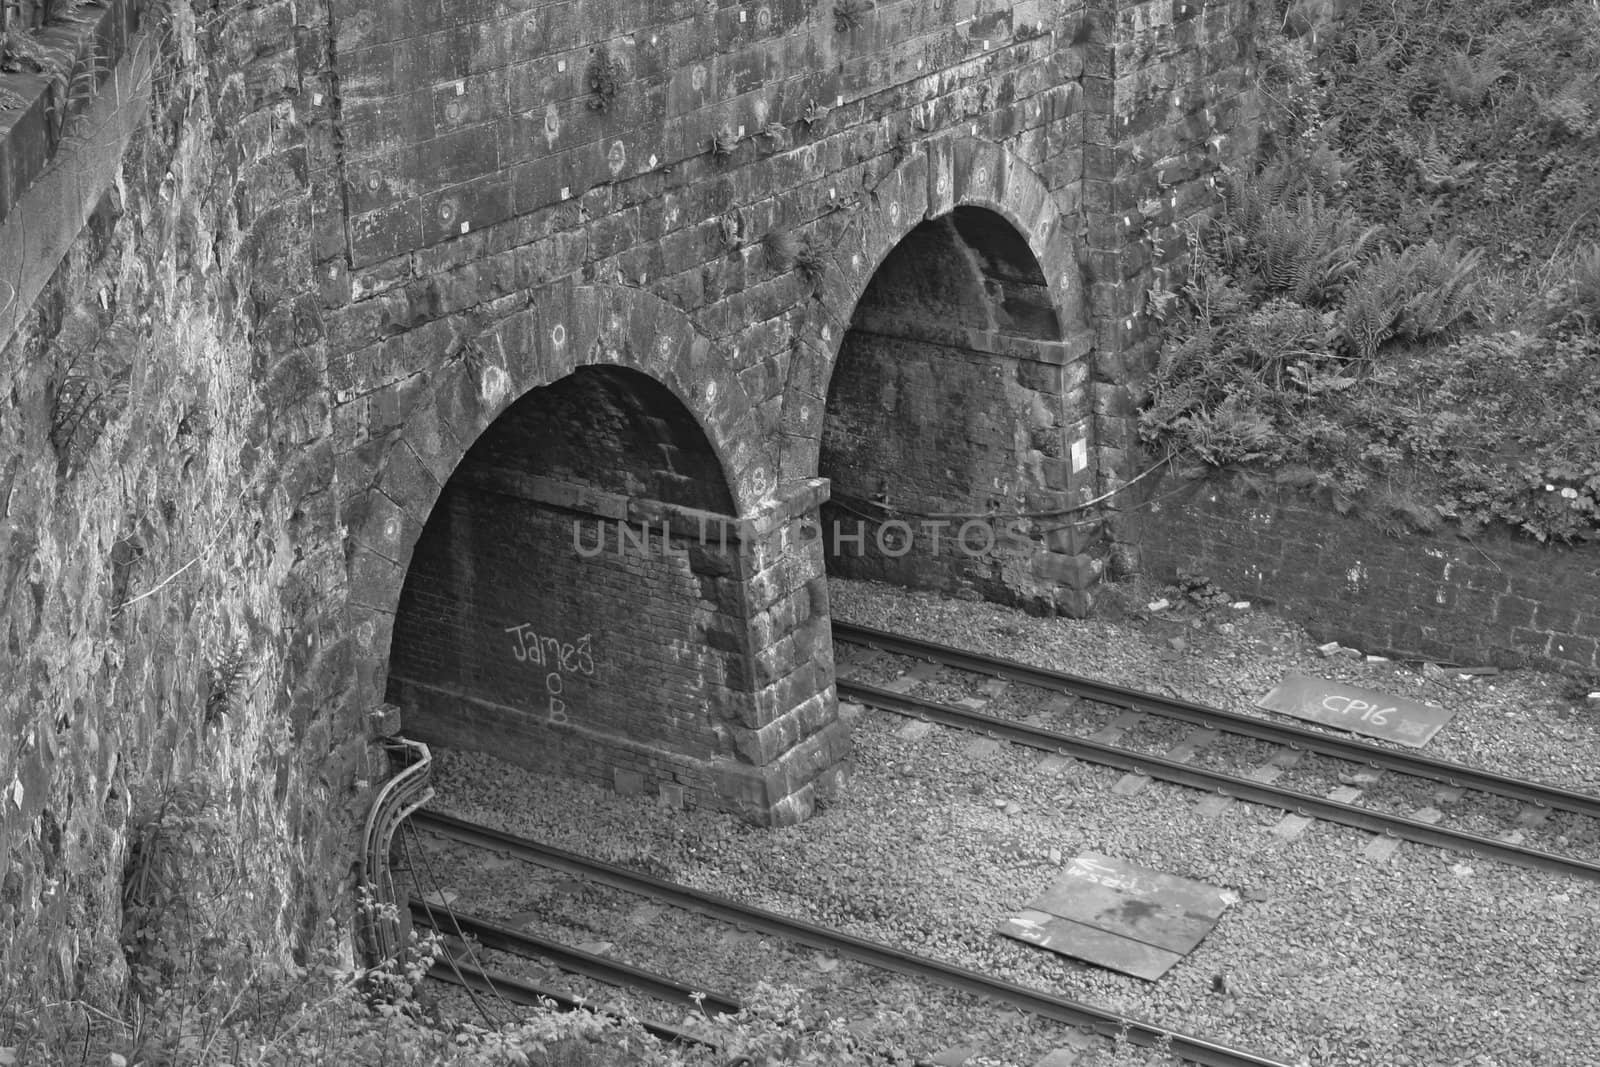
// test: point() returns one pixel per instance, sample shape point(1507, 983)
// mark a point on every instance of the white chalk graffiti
point(559, 658)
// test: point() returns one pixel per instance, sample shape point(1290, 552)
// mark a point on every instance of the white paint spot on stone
point(566, 193)
point(558, 335)
point(552, 123)
point(697, 76)
point(316, 99)
point(495, 385)
point(827, 334)
point(652, 161)
point(741, 14)
point(617, 157)
point(983, 176)
point(711, 392)
point(561, 66)
point(855, 261)
point(465, 225)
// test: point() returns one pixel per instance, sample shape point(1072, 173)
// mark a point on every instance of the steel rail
point(1420, 766)
point(1168, 770)
point(1036, 1002)
point(531, 995)
point(612, 972)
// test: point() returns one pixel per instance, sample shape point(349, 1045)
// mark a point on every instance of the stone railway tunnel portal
point(576, 323)
point(576, 589)
point(956, 433)
point(593, 576)
point(385, 225)
point(565, 575)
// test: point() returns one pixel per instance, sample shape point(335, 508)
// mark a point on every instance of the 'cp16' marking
point(1369, 712)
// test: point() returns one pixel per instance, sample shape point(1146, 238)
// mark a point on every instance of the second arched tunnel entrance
point(957, 430)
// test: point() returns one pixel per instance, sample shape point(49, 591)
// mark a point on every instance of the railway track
point(1212, 724)
point(1106, 1024)
point(457, 969)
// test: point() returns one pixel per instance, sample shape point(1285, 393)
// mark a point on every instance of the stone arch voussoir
point(952, 172)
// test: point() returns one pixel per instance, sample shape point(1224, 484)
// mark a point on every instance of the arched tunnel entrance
point(579, 601)
point(957, 423)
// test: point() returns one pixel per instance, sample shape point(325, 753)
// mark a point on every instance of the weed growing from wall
point(90, 387)
point(848, 14)
point(812, 265)
point(723, 142)
point(602, 77)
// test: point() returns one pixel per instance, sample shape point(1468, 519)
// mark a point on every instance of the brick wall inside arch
point(575, 601)
point(959, 393)
point(514, 640)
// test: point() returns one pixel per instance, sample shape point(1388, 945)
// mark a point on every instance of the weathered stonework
point(172, 570)
point(354, 236)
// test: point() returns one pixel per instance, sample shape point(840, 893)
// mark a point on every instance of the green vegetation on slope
point(1401, 305)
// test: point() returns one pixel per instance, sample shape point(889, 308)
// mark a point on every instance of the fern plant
point(1466, 81)
point(1441, 283)
point(1372, 305)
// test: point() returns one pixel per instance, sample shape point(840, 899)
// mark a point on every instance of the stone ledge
point(50, 183)
point(88, 49)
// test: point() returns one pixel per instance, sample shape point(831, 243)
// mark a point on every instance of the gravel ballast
point(1329, 958)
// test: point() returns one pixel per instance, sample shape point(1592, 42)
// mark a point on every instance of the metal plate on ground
point(1121, 916)
point(1362, 711)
